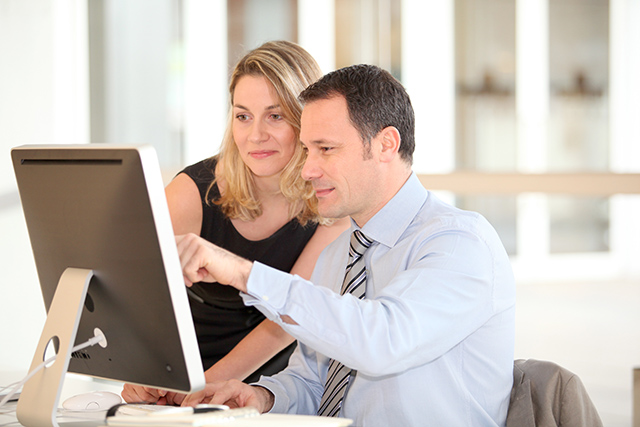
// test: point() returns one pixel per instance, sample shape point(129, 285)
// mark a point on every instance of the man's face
point(344, 178)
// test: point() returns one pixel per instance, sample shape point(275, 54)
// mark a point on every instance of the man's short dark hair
point(375, 100)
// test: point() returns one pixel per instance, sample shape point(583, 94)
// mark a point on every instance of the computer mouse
point(93, 401)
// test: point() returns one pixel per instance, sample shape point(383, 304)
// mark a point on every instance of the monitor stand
point(38, 403)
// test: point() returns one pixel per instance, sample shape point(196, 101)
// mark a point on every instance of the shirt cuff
point(280, 398)
point(267, 288)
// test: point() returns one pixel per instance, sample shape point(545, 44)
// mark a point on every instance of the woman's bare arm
point(185, 205)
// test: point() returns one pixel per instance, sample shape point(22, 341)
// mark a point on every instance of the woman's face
point(264, 138)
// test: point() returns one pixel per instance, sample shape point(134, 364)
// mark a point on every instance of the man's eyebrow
point(316, 142)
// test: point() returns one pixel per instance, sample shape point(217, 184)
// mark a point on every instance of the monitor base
point(38, 403)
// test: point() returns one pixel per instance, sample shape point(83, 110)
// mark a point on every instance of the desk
point(266, 420)
point(76, 384)
point(73, 384)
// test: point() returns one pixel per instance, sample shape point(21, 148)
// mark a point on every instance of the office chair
point(545, 394)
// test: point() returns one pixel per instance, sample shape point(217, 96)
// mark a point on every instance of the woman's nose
point(258, 132)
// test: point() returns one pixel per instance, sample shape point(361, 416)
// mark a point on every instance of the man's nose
point(310, 169)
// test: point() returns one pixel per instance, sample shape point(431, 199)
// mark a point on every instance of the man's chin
point(329, 211)
point(324, 208)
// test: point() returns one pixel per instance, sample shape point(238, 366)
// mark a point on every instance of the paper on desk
point(160, 419)
point(68, 415)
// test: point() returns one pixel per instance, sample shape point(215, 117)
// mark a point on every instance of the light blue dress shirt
point(432, 342)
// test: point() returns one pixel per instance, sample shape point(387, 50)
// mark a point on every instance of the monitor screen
point(103, 208)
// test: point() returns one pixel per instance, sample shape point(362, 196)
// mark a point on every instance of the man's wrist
point(237, 269)
point(245, 271)
point(266, 397)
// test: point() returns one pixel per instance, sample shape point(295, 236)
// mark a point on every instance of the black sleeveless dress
point(221, 319)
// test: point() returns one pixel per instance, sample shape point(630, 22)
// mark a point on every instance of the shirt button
point(265, 297)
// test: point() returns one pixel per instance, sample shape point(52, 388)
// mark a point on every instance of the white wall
point(26, 117)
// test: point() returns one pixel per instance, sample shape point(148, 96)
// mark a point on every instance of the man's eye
point(325, 149)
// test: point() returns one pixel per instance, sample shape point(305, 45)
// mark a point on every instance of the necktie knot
point(359, 244)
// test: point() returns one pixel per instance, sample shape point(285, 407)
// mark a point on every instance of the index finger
point(196, 398)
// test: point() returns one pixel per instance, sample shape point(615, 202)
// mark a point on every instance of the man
point(431, 342)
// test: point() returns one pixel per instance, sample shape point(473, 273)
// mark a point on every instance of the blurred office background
point(506, 91)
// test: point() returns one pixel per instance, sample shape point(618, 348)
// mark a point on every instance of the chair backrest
point(546, 394)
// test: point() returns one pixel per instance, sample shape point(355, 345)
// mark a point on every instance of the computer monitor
point(106, 258)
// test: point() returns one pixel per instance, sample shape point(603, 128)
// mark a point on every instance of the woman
point(251, 200)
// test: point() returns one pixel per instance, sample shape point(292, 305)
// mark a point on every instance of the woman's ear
point(389, 143)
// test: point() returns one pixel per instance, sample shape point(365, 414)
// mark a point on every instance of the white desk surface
point(76, 384)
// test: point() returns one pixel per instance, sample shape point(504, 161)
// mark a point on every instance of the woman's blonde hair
point(290, 69)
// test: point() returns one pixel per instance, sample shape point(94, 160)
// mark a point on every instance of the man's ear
point(389, 143)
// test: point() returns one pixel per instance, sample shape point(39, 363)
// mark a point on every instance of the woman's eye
point(242, 117)
point(277, 116)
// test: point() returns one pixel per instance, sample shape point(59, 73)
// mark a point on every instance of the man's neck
point(393, 183)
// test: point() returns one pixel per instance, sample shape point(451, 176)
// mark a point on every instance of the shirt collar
point(390, 222)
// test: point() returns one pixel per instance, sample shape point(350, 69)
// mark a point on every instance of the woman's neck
point(268, 188)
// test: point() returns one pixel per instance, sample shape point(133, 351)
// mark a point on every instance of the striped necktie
point(355, 283)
